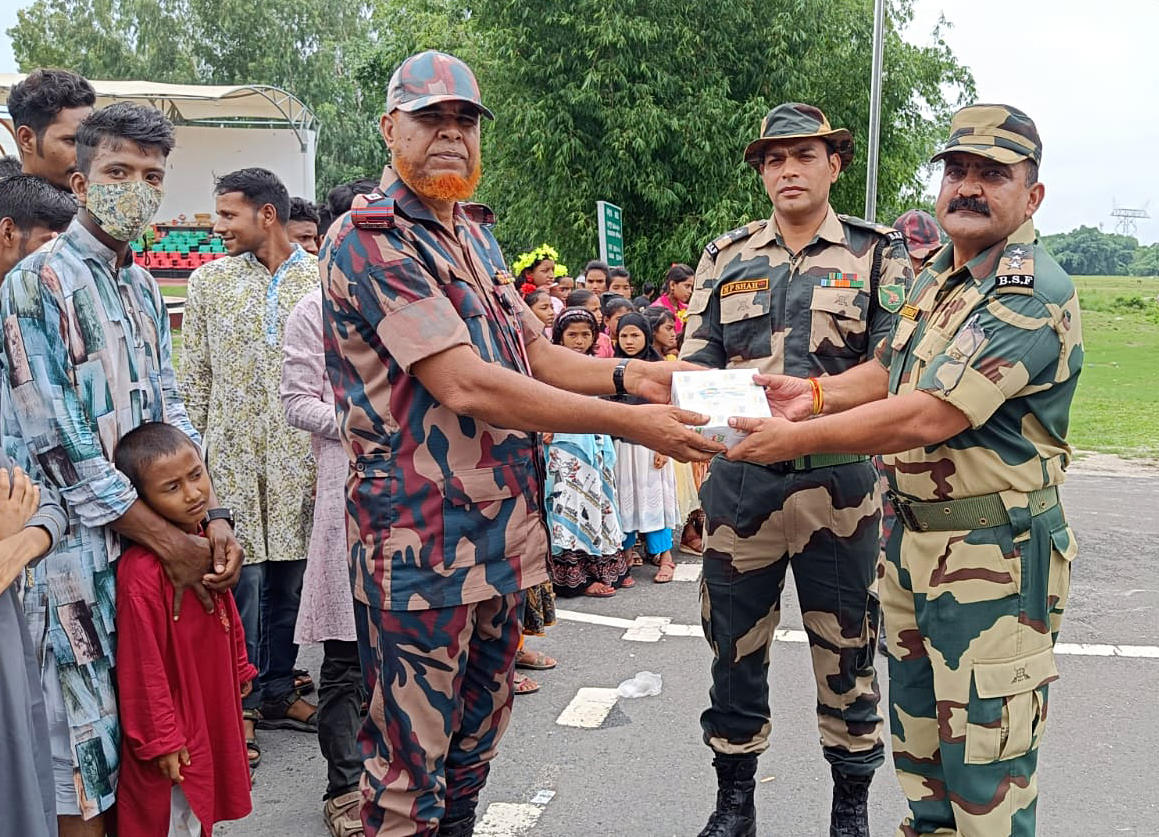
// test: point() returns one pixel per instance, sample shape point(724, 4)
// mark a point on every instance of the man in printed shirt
point(979, 371)
point(87, 358)
point(235, 318)
point(434, 357)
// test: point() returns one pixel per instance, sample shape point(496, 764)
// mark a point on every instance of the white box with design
point(720, 394)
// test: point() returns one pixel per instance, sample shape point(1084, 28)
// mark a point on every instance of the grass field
point(1116, 408)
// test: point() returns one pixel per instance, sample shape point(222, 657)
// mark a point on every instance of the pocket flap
point(1002, 678)
point(698, 302)
point(1062, 539)
point(840, 301)
point(373, 466)
point(480, 485)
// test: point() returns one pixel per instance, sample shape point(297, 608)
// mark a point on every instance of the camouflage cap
point(427, 78)
point(998, 132)
point(794, 120)
point(922, 236)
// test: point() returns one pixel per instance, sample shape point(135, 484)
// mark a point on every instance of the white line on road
point(508, 819)
point(652, 628)
point(686, 572)
point(588, 708)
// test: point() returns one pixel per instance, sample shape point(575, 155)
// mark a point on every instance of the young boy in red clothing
point(183, 753)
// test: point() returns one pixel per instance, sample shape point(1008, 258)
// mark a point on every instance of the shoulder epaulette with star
point(1015, 274)
point(731, 237)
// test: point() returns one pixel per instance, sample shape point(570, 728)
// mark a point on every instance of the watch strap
point(618, 376)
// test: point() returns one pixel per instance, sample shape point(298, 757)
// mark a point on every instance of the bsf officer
point(434, 360)
point(812, 293)
point(980, 372)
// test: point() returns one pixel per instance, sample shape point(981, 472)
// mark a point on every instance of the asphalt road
point(644, 771)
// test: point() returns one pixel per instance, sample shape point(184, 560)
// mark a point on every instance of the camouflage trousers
point(440, 701)
point(825, 524)
point(971, 619)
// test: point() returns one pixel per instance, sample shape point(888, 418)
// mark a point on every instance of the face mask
point(123, 210)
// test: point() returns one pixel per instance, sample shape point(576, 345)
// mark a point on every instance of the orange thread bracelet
point(818, 396)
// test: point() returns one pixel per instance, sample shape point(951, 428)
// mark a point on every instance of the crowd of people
point(381, 440)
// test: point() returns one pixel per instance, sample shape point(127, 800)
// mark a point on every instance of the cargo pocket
point(746, 323)
point(1007, 704)
point(476, 505)
point(837, 324)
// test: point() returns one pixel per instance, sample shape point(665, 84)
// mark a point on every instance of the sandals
point(275, 715)
point(534, 660)
point(342, 814)
point(303, 682)
point(665, 573)
point(627, 583)
point(252, 750)
point(599, 590)
point(524, 685)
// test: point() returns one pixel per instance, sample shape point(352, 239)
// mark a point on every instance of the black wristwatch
point(219, 514)
point(618, 376)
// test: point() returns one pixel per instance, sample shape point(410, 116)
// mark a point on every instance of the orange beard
point(439, 187)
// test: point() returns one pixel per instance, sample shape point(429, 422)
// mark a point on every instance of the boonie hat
point(427, 78)
point(921, 232)
point(794, 120)
point(998, 132)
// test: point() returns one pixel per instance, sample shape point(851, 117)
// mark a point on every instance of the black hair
point(32, 201)
point(677, 273)
point(643, 322)
point(657, 315)
point(36, 101)
point(121, 121)
point(534, 264)
point(10, 166)
point(534, 296)
point(641, 302)
point(617, 272)
point(616, 304)
point(1031, 172)
point(259, 186)
point(578, 298)
point(145, 444)
point(341, 198)
point(571, 316)
point(596, 264)
point(304, 210)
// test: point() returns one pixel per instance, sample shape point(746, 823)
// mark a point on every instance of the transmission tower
point(1125, 218)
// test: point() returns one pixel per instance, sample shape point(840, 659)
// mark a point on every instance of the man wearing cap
point(922, 236)
point(979, 371)
point(433, 357)
point(809, 293)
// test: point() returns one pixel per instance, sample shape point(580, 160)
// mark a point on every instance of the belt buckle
point(901, 507)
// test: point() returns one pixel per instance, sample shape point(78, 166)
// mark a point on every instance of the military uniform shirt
point(756, 304)
point(1001, 340)
point(442, 509)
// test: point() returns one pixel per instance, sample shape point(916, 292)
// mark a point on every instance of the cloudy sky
point(1086, 73)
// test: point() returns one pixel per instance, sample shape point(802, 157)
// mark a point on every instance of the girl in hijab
point(645, 481)
point(586, 537)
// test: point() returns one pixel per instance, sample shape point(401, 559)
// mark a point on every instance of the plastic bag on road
point(644, 684)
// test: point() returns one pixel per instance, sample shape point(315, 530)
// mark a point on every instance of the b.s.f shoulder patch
point(1015, 274)
point(731, 237)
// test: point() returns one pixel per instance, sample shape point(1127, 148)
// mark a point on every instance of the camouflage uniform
point(820, 311)
point(974, 590)
point(443, 511)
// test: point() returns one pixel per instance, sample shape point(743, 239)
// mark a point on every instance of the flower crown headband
point(543, 251)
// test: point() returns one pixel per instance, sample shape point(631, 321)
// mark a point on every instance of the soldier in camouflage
point(433, 356)
point(979, 371)
point(806, 292)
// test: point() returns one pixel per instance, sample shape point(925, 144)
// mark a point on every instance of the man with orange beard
point(441, 377)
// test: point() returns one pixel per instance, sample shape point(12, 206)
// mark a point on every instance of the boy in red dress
point(183, 753)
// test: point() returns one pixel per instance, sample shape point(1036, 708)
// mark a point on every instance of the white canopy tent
point(219, 129)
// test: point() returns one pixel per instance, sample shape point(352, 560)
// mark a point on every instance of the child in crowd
point(586, 556)
point(645, 481)
point(620, 281)
point(583, 298)
point(663, 325)
point(676, 293)
point(183, 760)
point(615, 308)
point(540, 302)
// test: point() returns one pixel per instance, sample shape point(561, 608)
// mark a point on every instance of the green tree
point(308, 47)
point(1145, 261)
point(1088, 251)
point(649, 104)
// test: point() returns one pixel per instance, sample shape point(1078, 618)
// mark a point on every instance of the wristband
point(618, 376)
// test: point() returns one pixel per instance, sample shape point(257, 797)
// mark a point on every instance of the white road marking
point(686, 572)
point(588, 708)
point(652, 628)
point(508, 819)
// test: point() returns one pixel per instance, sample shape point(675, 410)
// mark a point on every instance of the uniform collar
point(830, 230)
point(984, 265)
point(407, 202)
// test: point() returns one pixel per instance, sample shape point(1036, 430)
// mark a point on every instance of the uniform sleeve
point(44, 408)
point(1012, 342)
point(196, 371)
point(304, 370)
point(148, 716)
point(896, 271)
point(703, 334)
point(397, 298)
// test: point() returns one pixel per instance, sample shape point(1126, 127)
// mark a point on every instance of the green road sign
point(611, 222)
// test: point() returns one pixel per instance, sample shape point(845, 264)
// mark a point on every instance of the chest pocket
point(837, 322)
point(747, 324)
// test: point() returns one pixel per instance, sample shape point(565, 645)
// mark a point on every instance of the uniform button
point(359, 467)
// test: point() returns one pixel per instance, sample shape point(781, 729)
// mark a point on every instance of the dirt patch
point(1091, 462)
